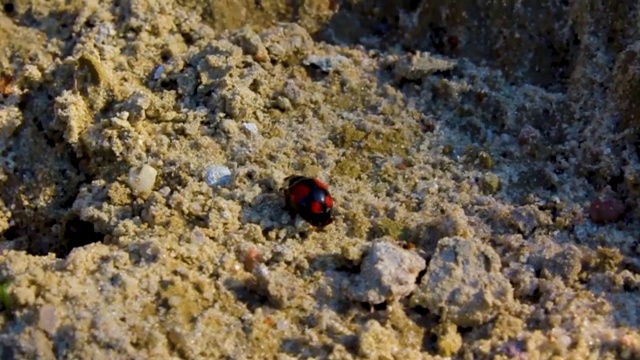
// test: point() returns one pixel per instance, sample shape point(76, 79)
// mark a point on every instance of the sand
point(483, 160)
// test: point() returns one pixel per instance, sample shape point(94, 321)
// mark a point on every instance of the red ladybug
point(309, 198)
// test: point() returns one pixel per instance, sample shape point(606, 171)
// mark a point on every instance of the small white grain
point(218, 175)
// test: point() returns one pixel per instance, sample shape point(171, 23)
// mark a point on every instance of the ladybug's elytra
point(309, 198)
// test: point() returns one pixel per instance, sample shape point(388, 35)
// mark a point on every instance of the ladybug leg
point(287, 207)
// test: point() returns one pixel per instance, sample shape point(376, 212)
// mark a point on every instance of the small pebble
point(47, 319)
point(218, 175)
point(606, 210)
point(158, 72)
point(325, 63)
point(252, 258)
point(105, 32)
point(197, 236)
point(165, 191)
point(387, 272)
point(141, 179)
point(251, 127)
point(464, 282)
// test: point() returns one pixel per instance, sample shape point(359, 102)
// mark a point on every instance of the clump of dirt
point(484, 168)
point(463, 283)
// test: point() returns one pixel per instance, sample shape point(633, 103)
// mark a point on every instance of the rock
point(252, 128)
point(603, 211)
point(218, 175)
point(566, 264)
point(326, 63)
point(463, 283)
point(421, 65)
point(251, 44)
point(284, 41)
point(141, 179)
point(387, 272)
point(47, 318)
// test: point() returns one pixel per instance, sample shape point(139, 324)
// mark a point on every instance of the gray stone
point(387, 272)
point(463, 283)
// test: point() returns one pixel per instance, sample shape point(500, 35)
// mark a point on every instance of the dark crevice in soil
point(78, 233)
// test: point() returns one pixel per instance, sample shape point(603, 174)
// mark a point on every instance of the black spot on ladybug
point(309, 198)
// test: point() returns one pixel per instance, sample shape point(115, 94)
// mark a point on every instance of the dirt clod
point(463, 283)
point(387, 272)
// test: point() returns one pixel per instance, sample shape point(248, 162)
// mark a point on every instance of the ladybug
point(309, 198)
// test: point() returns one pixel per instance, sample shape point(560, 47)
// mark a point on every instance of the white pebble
point(282, 325)
point(158, 72)
point(165, 191)
point(325, 63)
point(105, 32)
point(142, 179)
point(47, 319)
point(197, 236)
point(251, 127)
point(218, 175)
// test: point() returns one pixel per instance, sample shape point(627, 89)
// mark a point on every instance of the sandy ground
point(483, 160)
